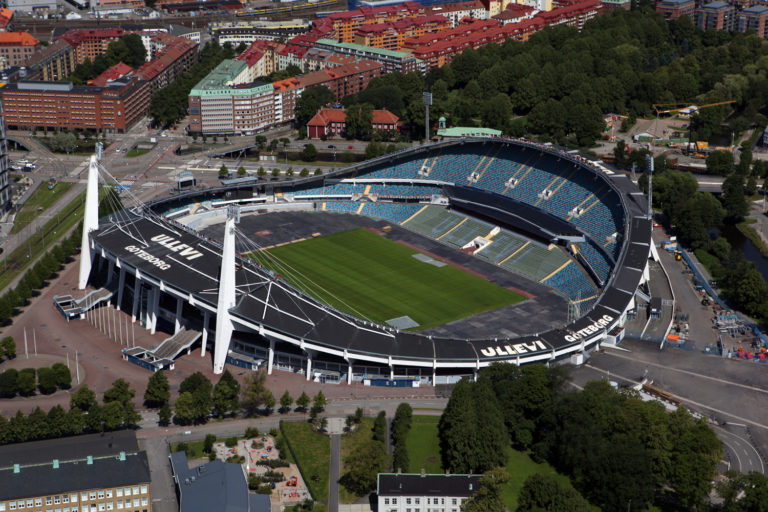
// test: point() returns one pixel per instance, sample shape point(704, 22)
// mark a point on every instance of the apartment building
point(424, 492)
point(16, 48)
point(345, 24)
point(113, 108)
point(716, 16)
point(393, 61)
point(91, 42)
point(457, 11)
point(91, 473)
point(177, 55)
point(673, 9)
point(54, 62)
point(250, 31)
point(754, 18)
point(332, 122)
point(391, 36)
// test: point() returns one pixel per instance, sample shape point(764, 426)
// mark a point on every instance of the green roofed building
point(464, 131)
point(393, 61)
point(229, 100)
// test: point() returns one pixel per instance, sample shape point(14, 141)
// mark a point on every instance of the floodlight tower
point(227, 297)
point(90, 222)
point(427, 100)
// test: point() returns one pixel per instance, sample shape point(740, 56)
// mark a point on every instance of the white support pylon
point(90, 222)
point(227, 295)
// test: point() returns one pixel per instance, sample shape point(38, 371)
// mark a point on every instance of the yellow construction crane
point(669, 108)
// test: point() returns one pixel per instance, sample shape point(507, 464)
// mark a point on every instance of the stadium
point(422, 266)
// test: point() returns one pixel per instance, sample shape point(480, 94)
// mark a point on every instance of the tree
point(488, 496)
point(303, 401)
point(720, 162)
point(699, 215)
point(255, 391)
point(275, 172)
point(269, 401)
point(63, 142)
point(112, 415)
point(226, 394)
point(620, 154)
point(546, 493)
point(158, 390)
point(46, 380)
point(9, 383)
point(380, 427)
point(311, 100)
point(309, 154)
point(62, 375)
point(743, 492)
point(359, 122)
point(82, 399)
point(319, 400)
point(119, 392)
point(9, 347)
point(223, 171)
point(241, 171)
point(186, 410)
point(208, 443)
point(363, 467)
point(286, 401)
point(736, 206)
point(165, 414)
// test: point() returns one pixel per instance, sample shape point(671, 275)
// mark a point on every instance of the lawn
point(136, 152)
point(312, 452)
point(423, 445)
point(351, 444)
point(370, 276)
point(40, 200)
point(520, 466)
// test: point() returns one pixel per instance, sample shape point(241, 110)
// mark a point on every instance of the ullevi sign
point(176, 246)
point(513, 350)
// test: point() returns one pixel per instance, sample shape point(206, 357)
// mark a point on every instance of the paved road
point(163, 491)
point(333, 482)
point(741, 453)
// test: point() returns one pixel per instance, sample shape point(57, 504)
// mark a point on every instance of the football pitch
point(375, 278)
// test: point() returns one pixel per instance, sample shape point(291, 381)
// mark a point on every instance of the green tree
point(9, 383)
point(359, 122)
point(380, 427)
point(63, 142)
point(226, 394)
point(223, 171)
point(743, 492)
point(158, 390)
point(254, 394)
point(62, 375)
point(241, 171)
point(319, 400)
point(363, 467)
point(208, 443)
point(119, 392)
point(488, 496)
point(165, 414)
point(310, 102)
point(720, 162)
point(46, 380)
point(82, 399)
point(734, 202)
point(9, 347)
point(701, 213)
point(286, 401)
point(545, 493)
point(186, 410)
point(269, 401)
point(303, 401)
point(309, 154)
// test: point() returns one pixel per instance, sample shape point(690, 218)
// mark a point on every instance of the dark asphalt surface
point(333, 481)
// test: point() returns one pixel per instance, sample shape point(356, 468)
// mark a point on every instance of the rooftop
point(363, 48)
point(66, 448)
point(407, 484)
point(716, 5)
point(117, 71)
point(18, 39)
point(222, 75)
point(755, 9)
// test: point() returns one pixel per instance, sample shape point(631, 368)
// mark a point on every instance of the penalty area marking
point(402, 322)
point(430, 261)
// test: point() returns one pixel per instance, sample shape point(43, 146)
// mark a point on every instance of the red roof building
point(346, 79)
point(119, 70)
point(332, 122)
point(16, 48)
point(391, 36)
point(345, 24)
point(91, 42)
point(178, 55)
point(6, 17)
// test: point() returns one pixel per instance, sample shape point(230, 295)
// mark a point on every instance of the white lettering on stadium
point(176, 246)
point(590, 329)
point(141, 253)
point(513, 350)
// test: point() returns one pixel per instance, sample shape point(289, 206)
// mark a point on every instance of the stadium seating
point(572, 282)
point(434, 221)
point(596, 259)
point(403, 191)
point(467, 231)
point(534, 261)
point(402, 170)
point(341, 206)
point(501, 246)
point(395, 212)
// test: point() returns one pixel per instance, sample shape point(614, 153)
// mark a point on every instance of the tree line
point(559, 83)
point(24, 382)
point(85, 416)
point(618, 450)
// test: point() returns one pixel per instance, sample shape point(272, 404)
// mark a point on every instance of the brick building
point(332, 122)
point(286, 92)
point(754, 18)
point(457, 11)
point(6, 20)
point(716, 16)
point(345, 24)
point(177, 56)
point(115, 72)
point(673, 9)
point(54, 62)
point(344, 80)
point(391, 36)
point(16, 48)
point(91, 42)
point(76, 474)
point(113, 108)
point(393, 61)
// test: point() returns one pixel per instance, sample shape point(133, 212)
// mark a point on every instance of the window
point(12, 505)
point(417, 500)
point(84, 496)
point(386, 502)
point(2, 506)
point(143, 489)
point(136, 502)
point(453, 501)
point(119, 504)
point(127, 491)
point(20, 503)
point(110, 505)
point(394, 501)
point(144, 502)
point(119, 492)
point(135, 489)
point(408, 502)
point(65, 498)
point(57, 500)
point(74, 509)
point(101, 495)
point(29, 503)
point(102, 507)
point(92, 495)
point(109, 493)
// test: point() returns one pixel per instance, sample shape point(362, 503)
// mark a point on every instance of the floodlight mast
point(427, 100)
point(227, 296)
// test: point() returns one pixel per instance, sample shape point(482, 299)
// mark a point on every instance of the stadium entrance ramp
point(71, 307)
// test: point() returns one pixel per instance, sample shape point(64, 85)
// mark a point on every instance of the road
point(333, 481)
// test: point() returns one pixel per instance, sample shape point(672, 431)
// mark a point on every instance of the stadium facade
point(152, 260)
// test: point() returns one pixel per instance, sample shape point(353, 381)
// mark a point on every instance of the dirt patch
point(446, 261)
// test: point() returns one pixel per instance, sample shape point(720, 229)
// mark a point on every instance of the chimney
point(55, 463)
point(89, 460)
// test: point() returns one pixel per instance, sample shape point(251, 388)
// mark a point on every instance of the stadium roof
point(468, 131)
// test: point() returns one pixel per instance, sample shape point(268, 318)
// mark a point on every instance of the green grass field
point(312, 453)
point(351, 444)
point(136, 152)
point(367, 275)
point(423, 445)
point(40, 200)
